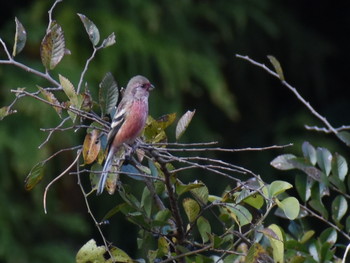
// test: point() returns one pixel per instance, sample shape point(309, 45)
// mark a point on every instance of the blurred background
point(187, 49)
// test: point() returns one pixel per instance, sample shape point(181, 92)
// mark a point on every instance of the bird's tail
point(105, 170)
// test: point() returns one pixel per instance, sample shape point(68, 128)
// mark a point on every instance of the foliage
point(179, 219)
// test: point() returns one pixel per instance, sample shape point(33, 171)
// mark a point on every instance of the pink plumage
point(128, 121)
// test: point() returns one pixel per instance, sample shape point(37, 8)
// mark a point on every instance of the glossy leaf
point(183, 123)
point(253, 199)
point(337, 183)
point(303, 185)
point(20, 38)
point(309, 152)
point(282, 162)
point(90, 252)
point(339, 208)
point(278, 187)
point(276, 64)
point(108, 94)
point(91, 29)
point(52, 47)
point(339, 166)
point(50, 97)
point(192, 208)
point(316, 201)
point(344, 136)
point(240, 214)
point(324, 159)
point(109, 41)
point(274, 234)
point(35, 175)
point(91, 146)
point(204, 228)
point(329, 235)
point(290, 207)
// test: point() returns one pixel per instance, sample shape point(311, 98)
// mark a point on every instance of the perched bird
point(128, 121)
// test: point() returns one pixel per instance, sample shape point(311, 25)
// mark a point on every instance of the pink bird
point(128, 121)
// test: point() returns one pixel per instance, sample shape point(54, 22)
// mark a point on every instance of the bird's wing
point(117, 122)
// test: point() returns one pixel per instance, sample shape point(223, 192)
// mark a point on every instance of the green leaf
point(201, 193)
point(282, 162)
point(50, 97)
point(75, 99)
point(109, 41)
point(278, 187)
point(347, 224)
point(52, 47)
point(339, 166)
point(339, 208)
point(183, 188)
point(324, 159)
point(255, 254)
point(303, 185)
point(91, 29)
point(20, 38)
point(337, 183)
point(329, 235)
point(108, 94)
point(309, 152)
point(119, 256)
point(91, 253)
point(204, 228)
point(163, 215)
point(344, 136)
point(35, 176)
point(240, 214)
point(274, 234)
point(316, 201)
point(192, 208)
point(251, 198)
point(154, 129)
point(276, 64)
point(114, 210)
point(183, 123)
point(163, 247)
point(306, 236)
point(146, 201)
point(290, 207)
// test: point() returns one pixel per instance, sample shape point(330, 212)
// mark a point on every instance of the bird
point(128, 121)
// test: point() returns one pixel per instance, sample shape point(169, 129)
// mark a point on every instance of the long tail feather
point(105, 170)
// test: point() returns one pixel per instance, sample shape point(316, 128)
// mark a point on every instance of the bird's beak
point(151, 87)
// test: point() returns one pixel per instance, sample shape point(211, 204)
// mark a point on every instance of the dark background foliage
point(187, 49)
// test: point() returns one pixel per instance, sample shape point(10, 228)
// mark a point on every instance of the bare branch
point(295, 92)
point(58, 177)
point(53, 130)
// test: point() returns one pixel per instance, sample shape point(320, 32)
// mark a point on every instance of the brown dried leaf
point(91, 146)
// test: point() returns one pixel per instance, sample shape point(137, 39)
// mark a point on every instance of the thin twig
point(58, 177)
point(312, 213)
point(53, 130)
point(291, 88)
point(97, 224)
point(86, 68)
point(218, 149)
